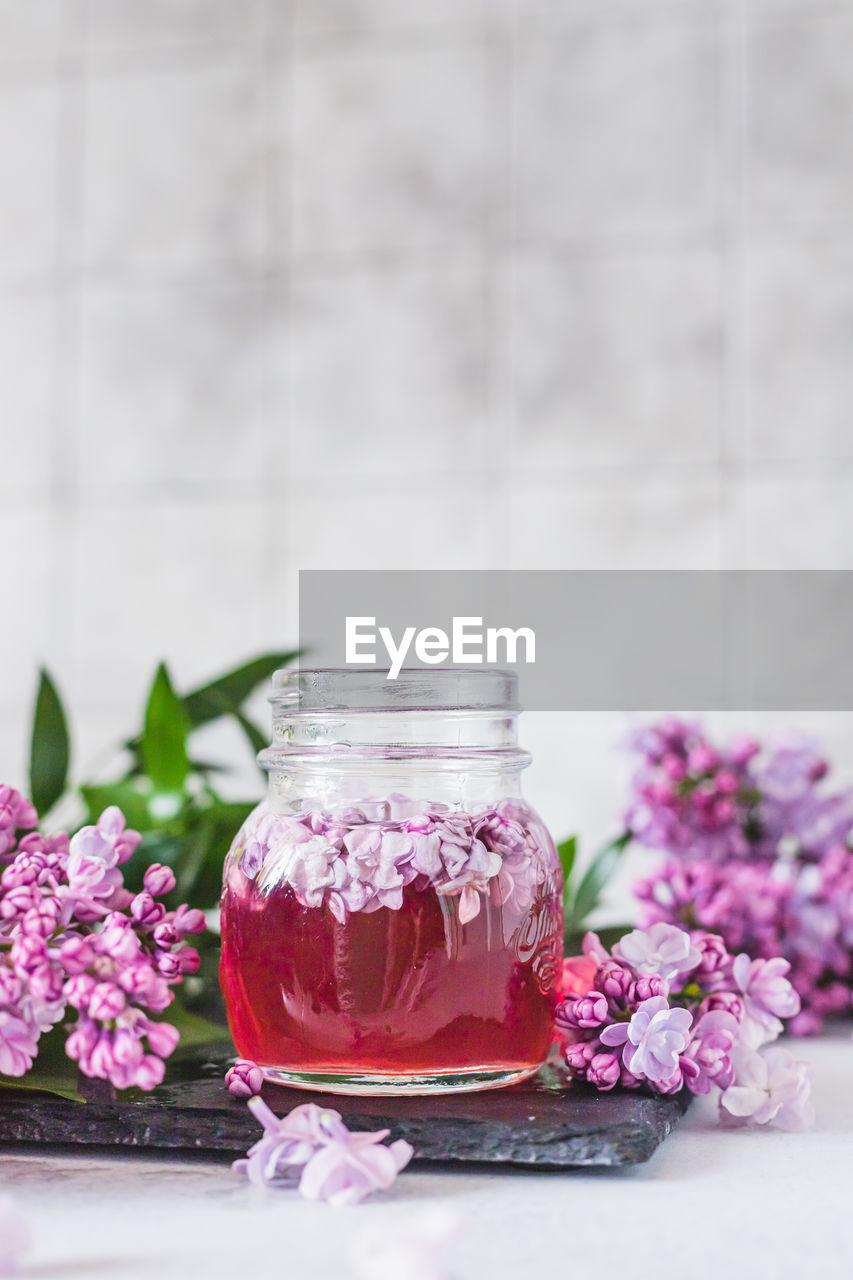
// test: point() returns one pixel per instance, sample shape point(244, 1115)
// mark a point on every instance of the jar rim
point(414, 689)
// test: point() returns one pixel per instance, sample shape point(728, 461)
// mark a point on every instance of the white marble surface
point(710, 1203)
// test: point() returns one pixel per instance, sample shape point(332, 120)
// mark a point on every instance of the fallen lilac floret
point(245, 1079)
point(311, 1145)
point(770, 1088)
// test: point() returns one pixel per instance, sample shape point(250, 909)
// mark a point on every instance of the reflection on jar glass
point(392, 912)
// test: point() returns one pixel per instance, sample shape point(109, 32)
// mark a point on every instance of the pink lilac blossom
point(312, 1146)
point(16, 814)
point(72, 938)
point(758, 852)
point(687, 1031)
point(362, 857)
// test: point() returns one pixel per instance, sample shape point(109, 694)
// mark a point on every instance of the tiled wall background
point(329, 283)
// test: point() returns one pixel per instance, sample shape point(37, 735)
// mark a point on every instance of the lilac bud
point(29, 952)
point(628, 1080)
point(19, 873)
point(713, 953)
point(40, 921)
point(11, 986)
point(159, 880)
point(189, 959)
point(119, 941)
point(646, 987)
point(76, 954)
point(582, 1012)
point(165, 935)
point(579, 1056)
point(100, 1061)
point(671, 1085)
point(150, 1072)
point(168, 964)
point(614, 981)
point(723, 1001)
point(244, 1079)
point(82, 1040)
point(145, 911)
point(189, 920)
point(46, 983)
point(106, 1002)
point(604, 1071)
point(127, 1048)
point(19, 900)
point(78, 990)
point(162, 1037)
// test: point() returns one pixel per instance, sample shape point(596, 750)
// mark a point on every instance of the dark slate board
point(546, 1122)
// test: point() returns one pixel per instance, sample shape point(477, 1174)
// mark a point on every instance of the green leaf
point(198, 867)
point(257, 740)
point(132, 801)
point(45, 1082)
point(164, 740)
point(205, 703)
point(595, 878)
point(50, 748)
point(193, 1030)
point(567, 852)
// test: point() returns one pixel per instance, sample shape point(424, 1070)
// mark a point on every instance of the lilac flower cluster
point(361, 857)
point(670, 1010)
point(312, 1146)
point(73, 938)
point(759, 852)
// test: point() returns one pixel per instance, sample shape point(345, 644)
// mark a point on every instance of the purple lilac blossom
point(709, 1052)
point(362, 857)
point(653, 1040)
point(313, 1145)
point(759, 852)
point(345, 1172)
point(767, 997)
point(641, 1031)
point(663, 950)
point(76, 939)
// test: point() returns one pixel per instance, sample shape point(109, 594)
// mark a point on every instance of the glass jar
point(392, 912)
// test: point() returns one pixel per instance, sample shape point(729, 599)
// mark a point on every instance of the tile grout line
point(278, 70)
point(66, 381)
point(497, 393)
point(735, 440)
